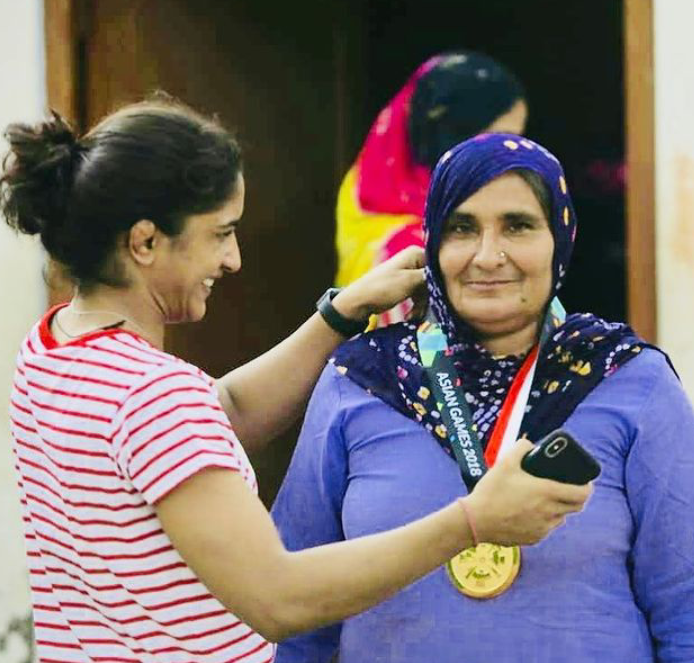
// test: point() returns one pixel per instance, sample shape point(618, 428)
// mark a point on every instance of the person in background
point(380, 205)
point(145, 537)
point(497, 357)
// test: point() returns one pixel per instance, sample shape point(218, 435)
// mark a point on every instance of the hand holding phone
point(559, 457)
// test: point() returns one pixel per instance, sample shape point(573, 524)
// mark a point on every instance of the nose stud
point(502, 256)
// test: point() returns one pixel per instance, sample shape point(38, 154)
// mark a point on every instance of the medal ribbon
point(437, 360)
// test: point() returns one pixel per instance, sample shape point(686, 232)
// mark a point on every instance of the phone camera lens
point(555, 447)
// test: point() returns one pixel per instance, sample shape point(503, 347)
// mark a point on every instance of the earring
point(502, 256)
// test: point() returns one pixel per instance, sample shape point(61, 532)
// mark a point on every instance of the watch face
point(327, 297)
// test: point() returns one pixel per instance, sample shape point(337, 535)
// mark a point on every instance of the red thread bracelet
point(470, 520)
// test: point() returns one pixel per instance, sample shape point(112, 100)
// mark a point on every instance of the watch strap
point(335, 320)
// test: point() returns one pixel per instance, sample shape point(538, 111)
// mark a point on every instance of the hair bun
point(37, 176)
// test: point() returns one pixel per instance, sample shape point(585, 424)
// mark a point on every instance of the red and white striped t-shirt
point(104, 427)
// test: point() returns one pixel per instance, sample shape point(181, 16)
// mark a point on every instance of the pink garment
point(389, 181)
point(411, 234)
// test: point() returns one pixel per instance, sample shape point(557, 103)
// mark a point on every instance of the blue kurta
point(615, 584)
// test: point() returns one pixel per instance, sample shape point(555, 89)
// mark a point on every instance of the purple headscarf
point(464, 170)
point(573, 361)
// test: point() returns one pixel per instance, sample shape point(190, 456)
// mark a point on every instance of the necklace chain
point(76, 311)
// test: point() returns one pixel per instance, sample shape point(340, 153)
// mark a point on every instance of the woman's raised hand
point(384, 286)
point(512, 507)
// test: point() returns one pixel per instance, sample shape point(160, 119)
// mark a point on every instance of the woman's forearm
point(322, 585)
point(227, 537)
point(265, 396)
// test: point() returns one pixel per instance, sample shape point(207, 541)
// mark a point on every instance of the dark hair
point(540, 189)
point(457, 98)
point(158, 160)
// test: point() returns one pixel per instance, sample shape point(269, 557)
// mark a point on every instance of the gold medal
point(484, 571)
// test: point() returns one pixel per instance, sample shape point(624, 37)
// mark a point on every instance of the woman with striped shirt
point(146, 539)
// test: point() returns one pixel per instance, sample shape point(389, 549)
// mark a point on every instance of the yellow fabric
point(361, 234)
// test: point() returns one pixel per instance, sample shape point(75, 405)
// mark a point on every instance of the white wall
point(674, 133)
point(22, 299)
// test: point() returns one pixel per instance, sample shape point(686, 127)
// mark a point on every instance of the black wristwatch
point(345, 326)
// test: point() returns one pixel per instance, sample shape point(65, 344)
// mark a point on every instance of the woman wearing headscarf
point(402, 412)
point(380, 205)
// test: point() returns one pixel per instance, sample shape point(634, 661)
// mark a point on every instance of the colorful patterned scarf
point(575, 359)
point(380, 205)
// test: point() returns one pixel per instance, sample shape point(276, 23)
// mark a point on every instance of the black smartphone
point(559, 457)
